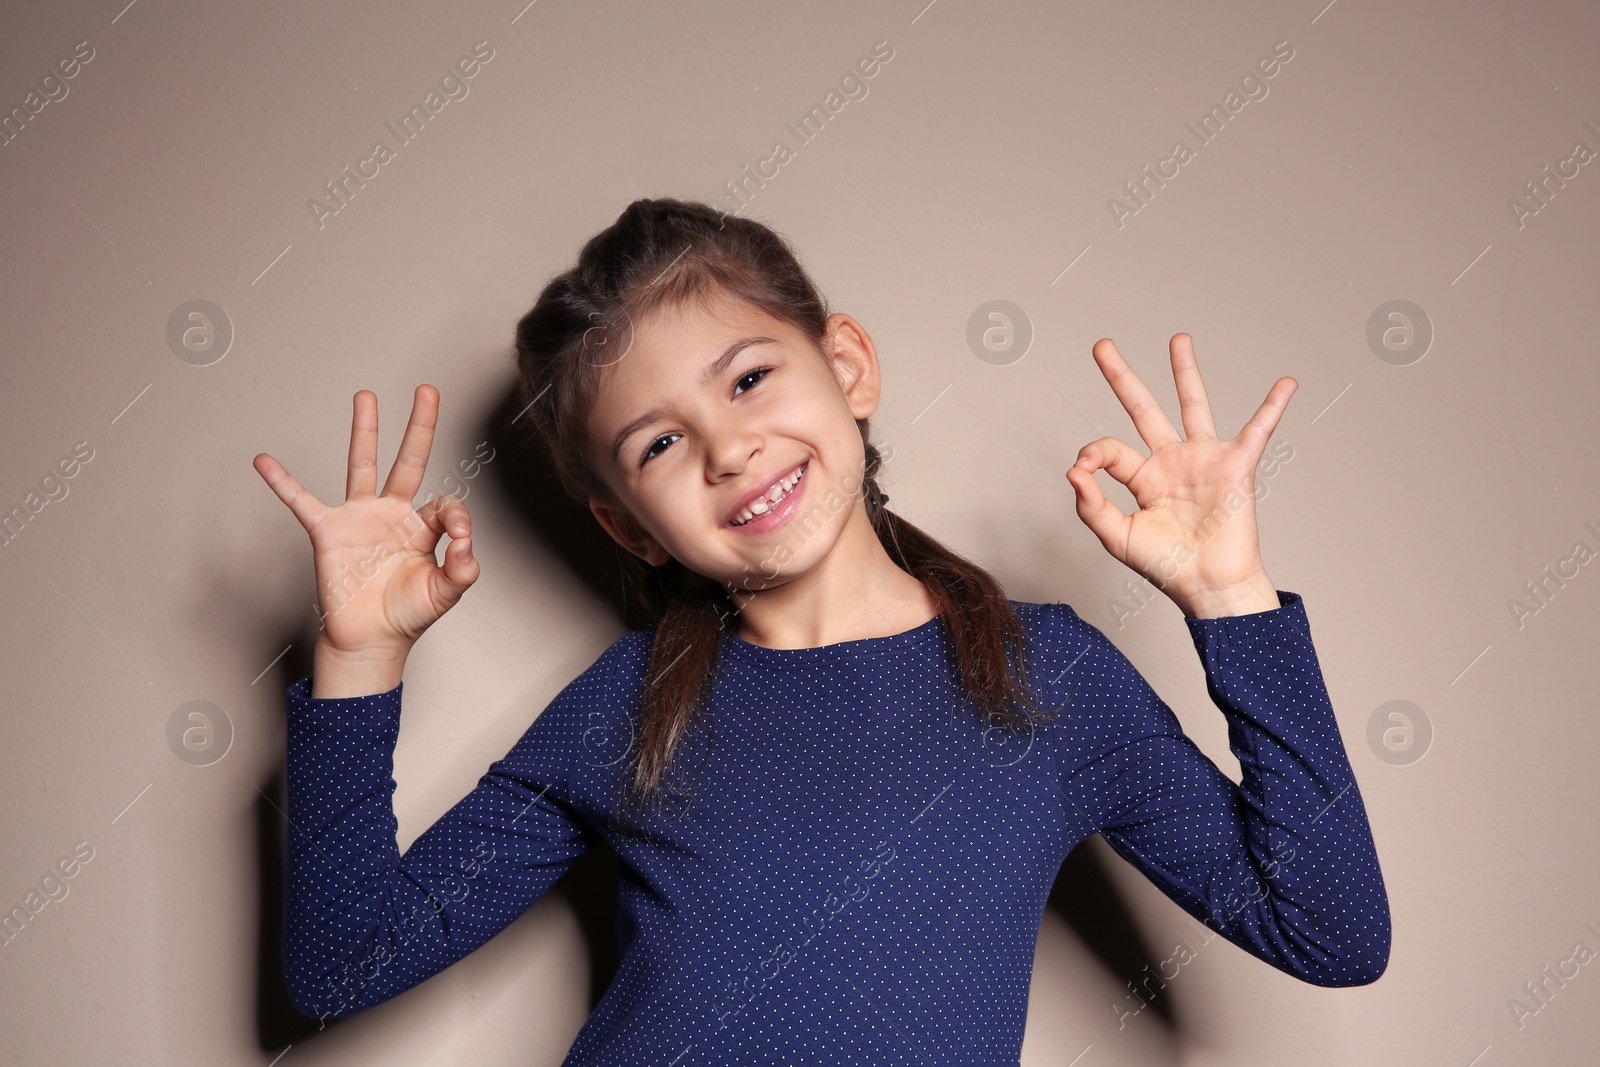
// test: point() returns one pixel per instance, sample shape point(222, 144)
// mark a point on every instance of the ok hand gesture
point(1194, 535)
point(378, 582)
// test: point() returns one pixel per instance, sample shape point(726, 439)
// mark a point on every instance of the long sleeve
point(1282, 864)
point(363, 923)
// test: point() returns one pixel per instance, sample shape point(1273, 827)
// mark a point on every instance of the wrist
point(338, 673)
point(1246, 598)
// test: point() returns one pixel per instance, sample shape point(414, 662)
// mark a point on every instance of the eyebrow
point(713, 370)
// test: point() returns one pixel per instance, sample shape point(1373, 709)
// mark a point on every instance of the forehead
point(699, 321)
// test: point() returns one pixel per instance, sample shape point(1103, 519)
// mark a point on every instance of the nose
point(730, 444)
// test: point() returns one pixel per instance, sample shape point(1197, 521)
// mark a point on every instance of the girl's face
point(706, 408)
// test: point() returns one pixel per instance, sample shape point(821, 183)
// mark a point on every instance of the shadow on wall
point(1087, 900)
point(522, 477)
point(1083, 894)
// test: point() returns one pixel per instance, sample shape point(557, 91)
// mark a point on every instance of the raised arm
point(363, 923)
point(1281, 864)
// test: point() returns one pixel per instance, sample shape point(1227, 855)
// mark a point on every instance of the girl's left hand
point(1194, 535)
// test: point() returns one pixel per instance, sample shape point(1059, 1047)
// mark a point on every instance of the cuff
point(310, 716)
point(1287, 620)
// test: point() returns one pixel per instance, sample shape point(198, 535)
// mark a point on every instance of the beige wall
point(1419, 499)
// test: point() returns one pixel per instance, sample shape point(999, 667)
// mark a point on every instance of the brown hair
point(662, 253)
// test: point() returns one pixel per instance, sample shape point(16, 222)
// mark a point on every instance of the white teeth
point(764, 504)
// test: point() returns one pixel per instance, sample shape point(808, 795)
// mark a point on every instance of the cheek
point(674, 502)
point(820, 418)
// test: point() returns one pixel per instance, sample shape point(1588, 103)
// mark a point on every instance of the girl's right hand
point(377, 580)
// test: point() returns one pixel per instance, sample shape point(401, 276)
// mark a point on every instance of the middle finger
point(1194, 408)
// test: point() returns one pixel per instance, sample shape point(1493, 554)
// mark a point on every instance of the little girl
point(843, 769)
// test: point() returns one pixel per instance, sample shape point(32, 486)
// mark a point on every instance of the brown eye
point(762, 371)
point(649, 452)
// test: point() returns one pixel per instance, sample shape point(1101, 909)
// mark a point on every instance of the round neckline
point(855, 648)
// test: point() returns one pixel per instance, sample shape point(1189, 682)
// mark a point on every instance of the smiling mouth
point(766, 504)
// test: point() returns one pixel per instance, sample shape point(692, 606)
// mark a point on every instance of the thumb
point(457, 574)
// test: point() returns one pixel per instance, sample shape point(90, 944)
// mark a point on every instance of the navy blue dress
point(860, 874)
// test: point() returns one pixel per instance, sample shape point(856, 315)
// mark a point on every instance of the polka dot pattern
point(856, 865)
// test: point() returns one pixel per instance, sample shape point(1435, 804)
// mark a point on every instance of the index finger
point(1148, 418)
point(1258, 431)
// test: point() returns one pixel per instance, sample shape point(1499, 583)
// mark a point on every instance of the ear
point(854, 361)
point(627, 532)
